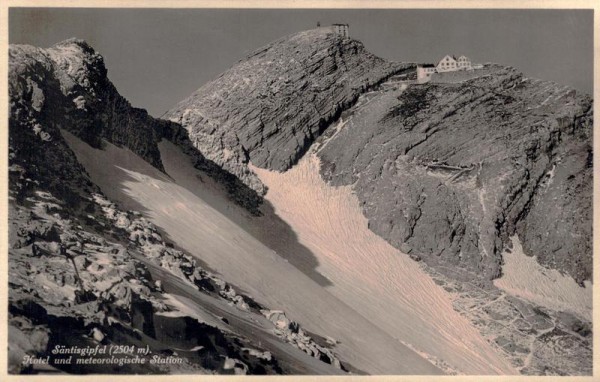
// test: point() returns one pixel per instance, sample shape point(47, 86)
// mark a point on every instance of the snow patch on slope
point(524, 277)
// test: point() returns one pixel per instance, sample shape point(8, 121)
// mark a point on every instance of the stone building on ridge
point(448, 63)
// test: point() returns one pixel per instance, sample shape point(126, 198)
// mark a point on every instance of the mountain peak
point(273, 104)
point(305, 41)
point(76, 42)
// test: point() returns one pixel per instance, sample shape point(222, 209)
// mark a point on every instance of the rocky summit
point(273, 104)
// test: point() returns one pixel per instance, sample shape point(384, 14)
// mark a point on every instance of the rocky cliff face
point(271, 106)
point(66, 87)
point(36, 115)
point(447, 171)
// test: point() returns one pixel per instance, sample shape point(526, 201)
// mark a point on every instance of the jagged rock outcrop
point(448, 171)
point(150, 243)
point(272, 105)
point(66, 87)
point(291, 332)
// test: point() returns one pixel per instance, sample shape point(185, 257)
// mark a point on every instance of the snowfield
point(375, 279)
point(387, 314)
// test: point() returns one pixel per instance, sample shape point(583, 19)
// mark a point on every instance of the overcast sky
point(157, 57)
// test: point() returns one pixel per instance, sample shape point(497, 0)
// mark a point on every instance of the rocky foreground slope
point(84, 273)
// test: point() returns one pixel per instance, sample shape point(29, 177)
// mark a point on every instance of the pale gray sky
point(157, 57)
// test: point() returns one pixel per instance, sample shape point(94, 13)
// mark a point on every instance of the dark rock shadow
point(259, 220)
point(277, 234)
